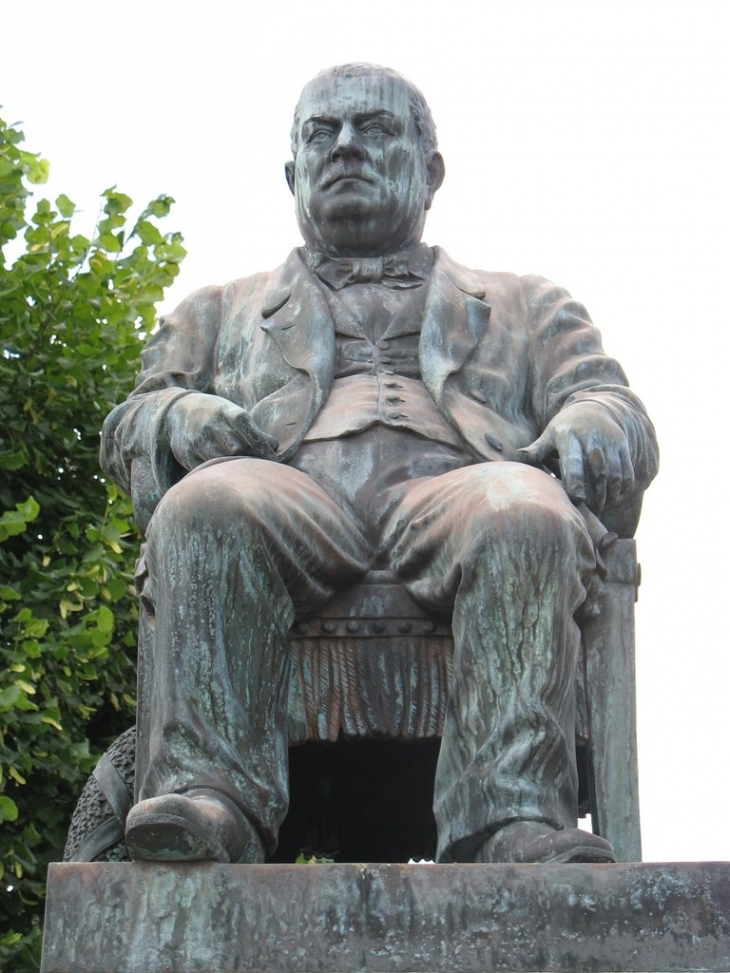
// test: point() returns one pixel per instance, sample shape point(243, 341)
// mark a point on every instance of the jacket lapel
point(455, 318)
point(298, 319)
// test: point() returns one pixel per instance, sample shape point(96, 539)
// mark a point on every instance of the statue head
point(365, 166)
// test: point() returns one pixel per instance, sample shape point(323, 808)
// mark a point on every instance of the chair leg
point(611, 690)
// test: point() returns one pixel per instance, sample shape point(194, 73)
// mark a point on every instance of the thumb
point(245, 426)
point(538, 450)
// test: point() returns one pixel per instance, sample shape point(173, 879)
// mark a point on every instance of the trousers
point(242, 547)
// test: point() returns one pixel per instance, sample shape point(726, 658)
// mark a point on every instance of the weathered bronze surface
point(371, 409)
point(144, 918)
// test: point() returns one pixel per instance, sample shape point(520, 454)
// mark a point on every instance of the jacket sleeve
point(568, 365)
point(178, 359)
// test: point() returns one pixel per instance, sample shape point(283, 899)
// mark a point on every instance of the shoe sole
point(172, 837)
point(587, 855)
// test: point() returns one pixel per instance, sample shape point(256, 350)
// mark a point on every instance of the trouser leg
point(500, 545)
point(235, 551)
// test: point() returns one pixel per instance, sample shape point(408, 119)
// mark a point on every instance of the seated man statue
point(370, 405)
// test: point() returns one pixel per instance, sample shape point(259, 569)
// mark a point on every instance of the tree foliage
point(73, 312)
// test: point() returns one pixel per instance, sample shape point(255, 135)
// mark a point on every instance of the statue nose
point(348, 144)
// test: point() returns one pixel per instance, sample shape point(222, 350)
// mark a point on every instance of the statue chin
point(349, 226)
point(358, 234)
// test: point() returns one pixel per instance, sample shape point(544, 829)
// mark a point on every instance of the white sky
point(586, 141)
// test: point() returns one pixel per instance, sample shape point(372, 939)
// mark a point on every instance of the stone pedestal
point(207, 918)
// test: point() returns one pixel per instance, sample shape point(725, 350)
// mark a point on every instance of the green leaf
point(31, 648)
point(13, 461)
point(8, 809)
point(116, 202)
point(65, 207)
point(148, 233)
point(36, 627)
point(117, 588)
point(15, 522)
point(104, 619)
point(30, 509)
point(37, 168)
point(16, 775)
point(52, 720)
point(9, 697)
point(160, 206)
point(109, 242)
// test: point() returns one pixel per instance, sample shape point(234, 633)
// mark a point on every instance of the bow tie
point(398, 270)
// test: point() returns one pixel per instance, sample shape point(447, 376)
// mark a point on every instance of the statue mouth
point(344, 177)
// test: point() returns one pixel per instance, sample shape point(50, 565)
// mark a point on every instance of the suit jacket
point(499, 354)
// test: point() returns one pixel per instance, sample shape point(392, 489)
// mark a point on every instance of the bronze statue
point(370, 404)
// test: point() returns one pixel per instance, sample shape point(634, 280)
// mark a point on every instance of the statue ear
point(289, 169)
point(436, 171)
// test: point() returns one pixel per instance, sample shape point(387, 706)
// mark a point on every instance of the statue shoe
point(200, 825)
point(537, 843)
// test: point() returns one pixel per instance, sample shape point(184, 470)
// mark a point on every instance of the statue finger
point(599, 473)
point(628, 477)
point(182, 449)
point(572, 468)
point(261, 443)
point(620, 475)
point(614, 485)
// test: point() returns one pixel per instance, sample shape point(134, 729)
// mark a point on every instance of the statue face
point(360, 181)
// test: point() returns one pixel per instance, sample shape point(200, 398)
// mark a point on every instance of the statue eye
point(374, 128)
point(320, 135)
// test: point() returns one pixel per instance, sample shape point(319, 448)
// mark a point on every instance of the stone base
point(207, 918)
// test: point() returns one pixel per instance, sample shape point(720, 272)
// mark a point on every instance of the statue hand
point(202, 427)
point(593, 454)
